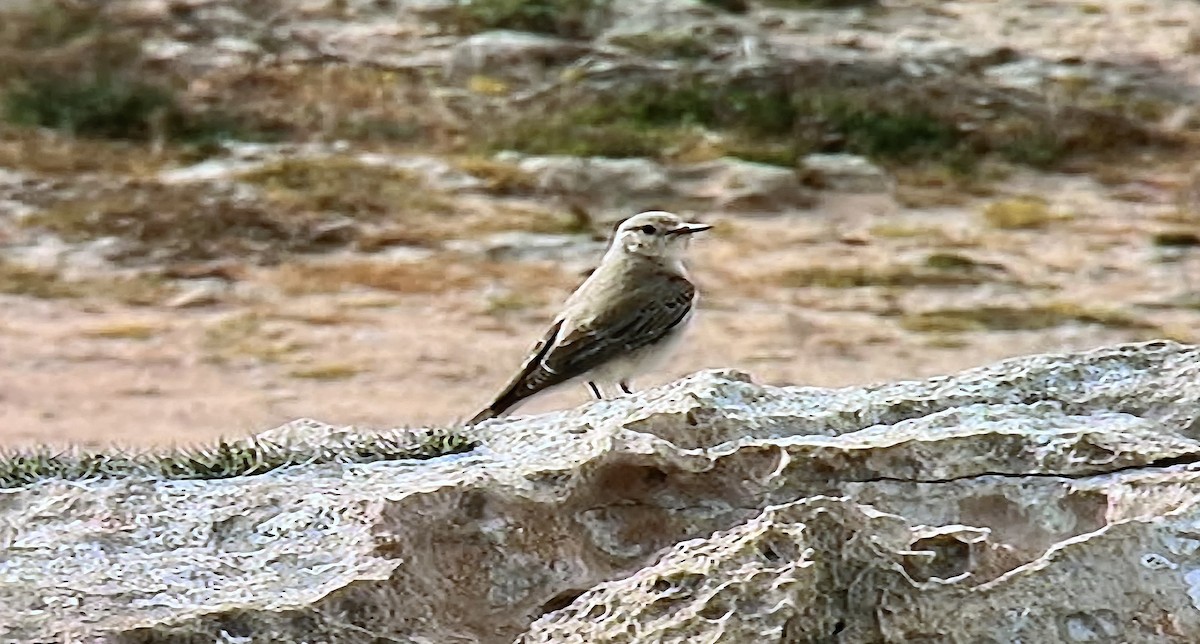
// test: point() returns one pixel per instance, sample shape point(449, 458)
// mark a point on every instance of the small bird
point(622, 321)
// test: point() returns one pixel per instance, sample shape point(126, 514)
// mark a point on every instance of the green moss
point(226, 459)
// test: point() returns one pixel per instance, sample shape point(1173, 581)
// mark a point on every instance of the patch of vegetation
point(227, 459)
point(347, 187)
point(886, 276)
point(1176, 239)
point(647, 120)
point(821, 4)
point(906, 230)
point(501, 178)
point(511, 301)
point(434, 276)
point(328, 371)
point(665, 44)
point(106, 106)
point(334, 102)
point(768, 125)
point(951, 262)
point(64, 66)
point(248, 336)
point(899, 122)
point(130, 330)
point(1021, 213)
point(56, 153)
point(16, 279)
point(140, 290)
point(565, 18)
point(1005, 318)
point(932, 185)
point(732, 6)
point(163, 222)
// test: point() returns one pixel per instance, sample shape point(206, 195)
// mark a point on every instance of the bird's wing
point(639, 314)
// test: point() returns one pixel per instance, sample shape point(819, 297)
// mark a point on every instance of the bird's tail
point(502, 404)
point(490, 412)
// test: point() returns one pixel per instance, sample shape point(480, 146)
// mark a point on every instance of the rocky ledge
point(1050, 498)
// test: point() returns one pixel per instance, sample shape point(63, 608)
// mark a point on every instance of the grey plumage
point(625, 313)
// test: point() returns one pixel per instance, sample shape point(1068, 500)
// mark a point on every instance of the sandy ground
point(93, 372)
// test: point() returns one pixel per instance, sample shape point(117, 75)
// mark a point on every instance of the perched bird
point(622, 321)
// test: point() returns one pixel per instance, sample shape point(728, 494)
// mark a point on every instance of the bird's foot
point(625, 387)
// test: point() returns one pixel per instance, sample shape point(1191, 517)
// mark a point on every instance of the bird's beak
point(688, 229)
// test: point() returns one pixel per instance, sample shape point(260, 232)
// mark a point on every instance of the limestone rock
point(734, 184)
point(845, 173)
point(1042, 499)
point(524, 246)
point(505, 53)
point(633, 181)
point(690, 37)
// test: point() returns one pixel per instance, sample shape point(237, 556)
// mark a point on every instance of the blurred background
point(220, 215)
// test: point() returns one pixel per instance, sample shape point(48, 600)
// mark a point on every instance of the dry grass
point(1005, 318)
point(171, 223)
point(928, 185)
point(16, 279)
point(140, 290)
point(331, 102)
point(502, 178)
point(513, 302)
point(53, 153)
point(327, 371)
point(334, 317)
point(467, 222)
point(1021, 213)
point(248, 336)
point(347, 187)
point(900, 276)
point(125, 330)
point(429, 277)
point(899, 229)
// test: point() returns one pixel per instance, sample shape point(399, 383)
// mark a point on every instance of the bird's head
point(656, 234)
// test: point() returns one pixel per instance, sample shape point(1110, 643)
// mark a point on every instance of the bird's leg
point(625, 386)
point(595, 390)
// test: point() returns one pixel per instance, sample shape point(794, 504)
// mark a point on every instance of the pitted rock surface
point(1044, 498)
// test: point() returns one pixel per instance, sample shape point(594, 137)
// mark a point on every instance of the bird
point(623, 320)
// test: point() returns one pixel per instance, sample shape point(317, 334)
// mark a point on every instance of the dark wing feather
point(644, 318)
point(640, 315)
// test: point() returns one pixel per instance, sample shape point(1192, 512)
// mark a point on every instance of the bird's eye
point(649, 230)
